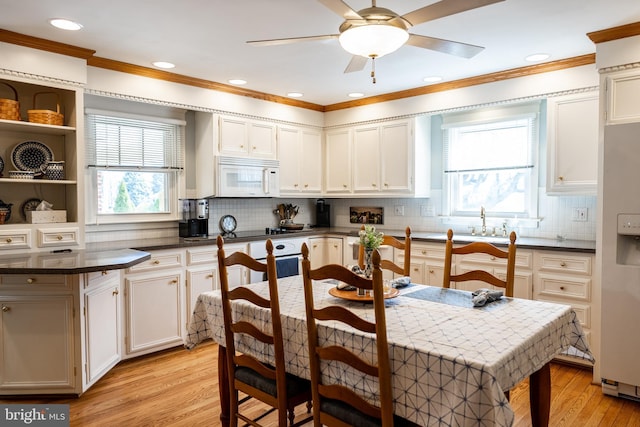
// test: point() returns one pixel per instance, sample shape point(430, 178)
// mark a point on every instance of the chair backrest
point(319, 355)
point(233, 327)
point(484, 276)
point(386, 264)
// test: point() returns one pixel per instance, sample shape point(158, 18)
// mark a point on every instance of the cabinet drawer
point(96, 278)
point(15, 239)
point(436, 252)
point(58, 237)
point(206, 255)
point(565, 287)
point(35, 281)
point(565, 263)
point(583, 312)
point(158, 260)
point(523, 259)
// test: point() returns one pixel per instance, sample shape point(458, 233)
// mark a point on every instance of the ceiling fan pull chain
point(373, 69)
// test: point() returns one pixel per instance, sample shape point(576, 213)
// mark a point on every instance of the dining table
point(451, 361)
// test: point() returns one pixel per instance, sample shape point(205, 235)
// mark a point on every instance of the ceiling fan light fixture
point(373, 40)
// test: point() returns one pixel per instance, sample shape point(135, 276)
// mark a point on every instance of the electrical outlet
point(580, 214)
point(427, 210)
point(399, 210)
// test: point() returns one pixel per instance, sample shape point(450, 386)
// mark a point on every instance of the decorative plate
point(353, 295)
point(29, 205)
point(31, 156)
point(228, 223)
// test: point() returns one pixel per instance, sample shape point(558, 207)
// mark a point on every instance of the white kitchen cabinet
point(567, 278)
point(60, 143)
point(366, 159)
point(245, 137)
point(622, 91)
point(572, 144)
point(236, 274)
point(325, 250)
point(300, 155)
point(338, 161)
point(202, 274)
point(102, 324)
point(155, 303)
point(427, 263)
point(523, 282)
point(37, 344)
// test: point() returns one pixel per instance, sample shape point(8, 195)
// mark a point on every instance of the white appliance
point(288, 253)
point(620, 255)
point(243, 177)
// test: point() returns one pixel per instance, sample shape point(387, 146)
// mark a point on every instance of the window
point(489, 161)
point(134, 167)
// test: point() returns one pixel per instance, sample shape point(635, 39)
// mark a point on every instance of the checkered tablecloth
point(451, 362)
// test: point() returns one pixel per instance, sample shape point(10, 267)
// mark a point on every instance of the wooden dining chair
point(335, 404)
point(386, 264)
point(481, 275)
point(265, 382)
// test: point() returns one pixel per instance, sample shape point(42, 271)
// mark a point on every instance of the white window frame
point(175, 181)
point(494, 115)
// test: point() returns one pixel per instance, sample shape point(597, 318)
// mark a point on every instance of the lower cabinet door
point(102, 329)
point(37, 345)
point(154, 312)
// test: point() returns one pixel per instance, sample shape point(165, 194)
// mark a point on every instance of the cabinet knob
point(115, 292)
point(416, 269)
point(59, 237)
point(30, 280)
point(315, 246)
point(156, 262)
point(563, 264)
point(562, 288)
point(431, 271)
point(373, 184)
point(386, 185)
point(335, 246)
point(561, 178)
point(104, 272)
point(241, 145)
point(344, 185)
point(5, 308)
point(9, 240)
point(306, 185)
point(209, 276)
point(295, 185)
point(493, 258)
point(254, 148)
point(173, 282)
point(424, 252)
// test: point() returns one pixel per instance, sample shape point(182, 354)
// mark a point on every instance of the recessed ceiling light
point(356, 95)
point(163, 64)
point(65, 24)
point(432, 79)
point(237, 82)
point(536, 57)
point(294, 95)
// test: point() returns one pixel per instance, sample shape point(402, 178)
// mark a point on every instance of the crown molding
point(615, 33)
point(44, 44)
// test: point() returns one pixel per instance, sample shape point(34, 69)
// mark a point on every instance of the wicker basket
point(47, 117)
point(10, 108)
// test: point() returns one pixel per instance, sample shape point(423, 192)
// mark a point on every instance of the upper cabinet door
point(247, 138)
point(366, 161)
point(396, 153)
point(572, 144)
point(311, 161)
point(338, 161)
point(300, 155)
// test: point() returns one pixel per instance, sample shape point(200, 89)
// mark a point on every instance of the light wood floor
point(180, 388)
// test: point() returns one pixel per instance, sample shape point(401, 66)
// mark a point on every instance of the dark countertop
point(75, 262)
point(585, 246)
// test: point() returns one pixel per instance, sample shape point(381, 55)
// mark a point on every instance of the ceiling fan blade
point(357, 63)
point(341, 8)
point(445, 46)
point(444, 8)
point(274, 42)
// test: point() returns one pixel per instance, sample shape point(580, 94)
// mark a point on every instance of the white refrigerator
point(620, 252)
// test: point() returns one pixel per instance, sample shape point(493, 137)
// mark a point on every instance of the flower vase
point(367, 263)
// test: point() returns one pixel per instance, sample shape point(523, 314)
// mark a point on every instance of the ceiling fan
point(376, 31)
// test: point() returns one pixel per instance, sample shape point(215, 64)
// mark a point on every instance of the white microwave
point(242, 177)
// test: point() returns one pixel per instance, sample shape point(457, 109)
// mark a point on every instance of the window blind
point(130, 143)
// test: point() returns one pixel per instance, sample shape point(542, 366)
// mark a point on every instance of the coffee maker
point(323, 214)
point(195, 218)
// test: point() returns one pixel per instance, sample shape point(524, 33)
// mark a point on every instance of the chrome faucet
point(484, 224)
point(504, 229)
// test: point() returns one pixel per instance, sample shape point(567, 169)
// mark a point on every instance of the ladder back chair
point(269, 384)
point(386, 264)
point(481, 275)
point(335, 404)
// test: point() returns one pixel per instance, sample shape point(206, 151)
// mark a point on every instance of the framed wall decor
point(366, 215)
